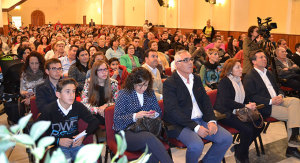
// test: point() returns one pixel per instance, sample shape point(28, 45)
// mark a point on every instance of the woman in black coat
point(230, 97)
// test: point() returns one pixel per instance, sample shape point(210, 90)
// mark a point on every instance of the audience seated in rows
point(179, 90)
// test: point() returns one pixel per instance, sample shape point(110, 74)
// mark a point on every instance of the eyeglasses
point(55, 68)
point(186, 60)
point(102, 70)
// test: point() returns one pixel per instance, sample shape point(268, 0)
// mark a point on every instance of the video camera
point(265, 27)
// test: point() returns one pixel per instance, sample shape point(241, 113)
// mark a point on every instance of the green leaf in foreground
point(23, 121)
point(14, 128)
point(24, 139)
point(89, 153)
point(46, 141)
point(123, 160)
point(39, 128)
point(3, 158)
point(38, 152)
point(58, 157)
point(3, 131)
point(5, 145)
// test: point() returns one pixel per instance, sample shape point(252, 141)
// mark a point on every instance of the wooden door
point(84, 20)
point(37, 18)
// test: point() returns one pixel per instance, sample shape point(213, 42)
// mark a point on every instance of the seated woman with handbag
point(231, 101)
point(136, 101)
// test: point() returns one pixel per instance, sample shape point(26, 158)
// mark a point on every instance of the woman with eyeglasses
point(100, 91)
point(210, 70)
point(137, 100)
point(79, 69)
point(129, 60)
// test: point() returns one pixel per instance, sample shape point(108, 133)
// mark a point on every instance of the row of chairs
point(111, 145)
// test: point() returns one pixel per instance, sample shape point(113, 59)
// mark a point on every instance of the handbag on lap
point(249, 115)
point(153, 125)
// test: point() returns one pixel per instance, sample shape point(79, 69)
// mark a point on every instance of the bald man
point(287, 69)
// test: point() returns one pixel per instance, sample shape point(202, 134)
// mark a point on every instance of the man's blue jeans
point(70, 152)
point(221, 141)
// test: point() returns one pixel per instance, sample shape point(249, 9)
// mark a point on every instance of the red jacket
point(123, 77)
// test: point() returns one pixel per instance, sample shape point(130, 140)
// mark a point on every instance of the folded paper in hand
point(83, 133)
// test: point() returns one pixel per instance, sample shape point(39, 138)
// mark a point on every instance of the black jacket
point(66, 126)
point(139, 52)
point(44, 95)
point(295, 58)
point(163, 46)
point(256, 90)
point(212, 31)
point(178, 103)
point(225, 98)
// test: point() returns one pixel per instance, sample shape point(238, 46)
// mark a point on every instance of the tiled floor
point(274, 142)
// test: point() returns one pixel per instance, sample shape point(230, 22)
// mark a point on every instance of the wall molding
point(13, 6)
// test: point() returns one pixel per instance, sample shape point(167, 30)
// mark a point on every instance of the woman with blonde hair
point(99, 91)
point(58, 50)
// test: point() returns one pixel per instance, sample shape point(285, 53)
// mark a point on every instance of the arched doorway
point(37, 18)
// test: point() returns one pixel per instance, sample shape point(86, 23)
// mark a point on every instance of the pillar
point(118, 12)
